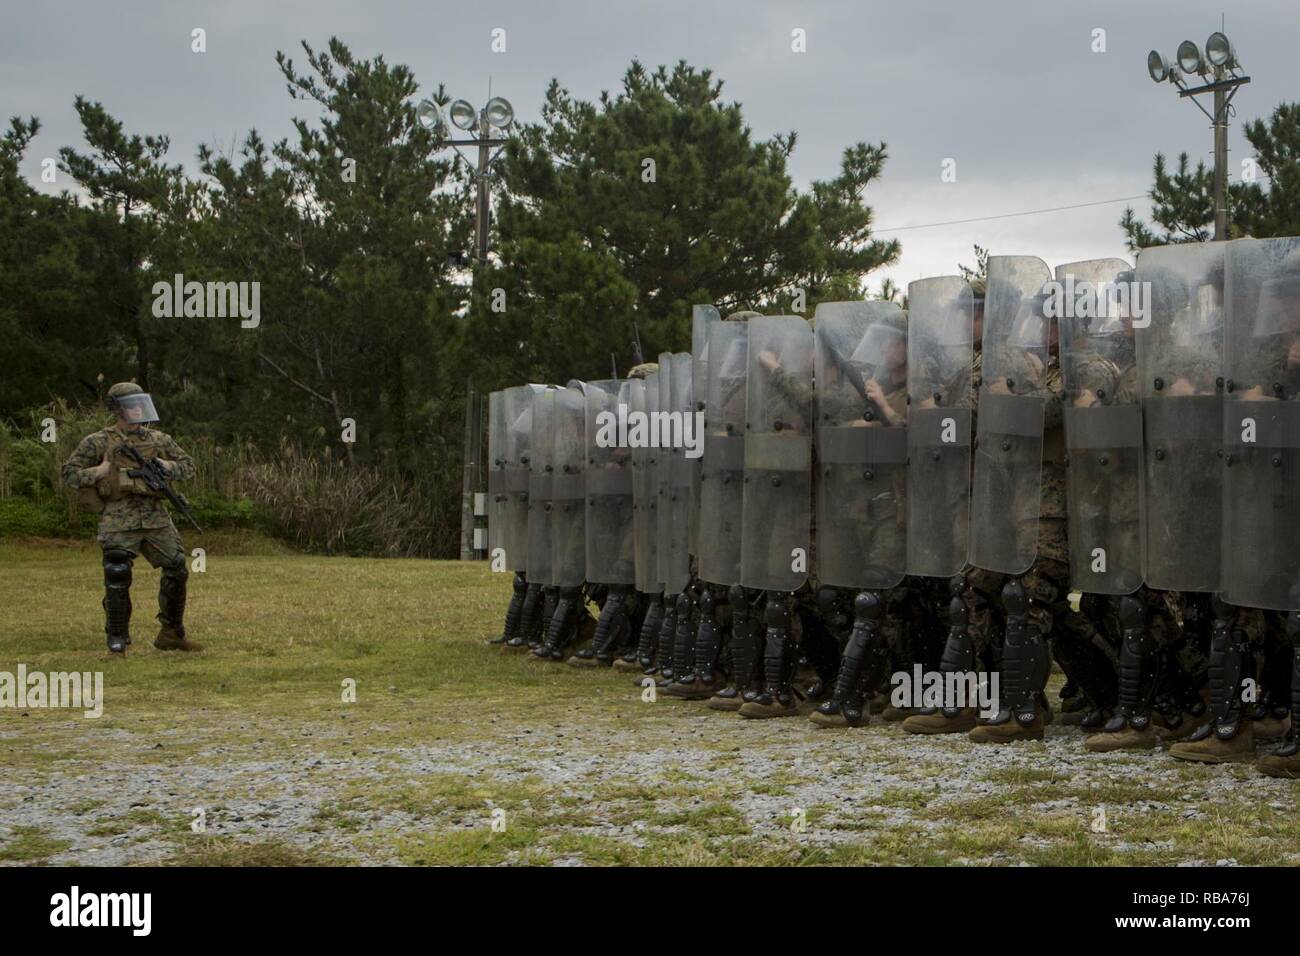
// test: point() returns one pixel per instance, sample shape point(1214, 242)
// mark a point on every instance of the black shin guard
point(172, 589)
point(706, 637)
point(745, 644)
point(648, 642)
point(778, 671)
point(562, 627)
point(667, 638)
point(550, 601)
point(684, 641)
point(117, 598)
point(530, 612)
point(863, 664)
point(1025, 658)
point(1231, 661)
point(612, 618)
point(958, 650)
point(1137, 668)
point(515, 609)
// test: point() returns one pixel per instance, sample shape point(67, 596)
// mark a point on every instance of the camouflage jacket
point(128, 504)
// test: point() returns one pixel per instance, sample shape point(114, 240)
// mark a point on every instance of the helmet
point(131, 403)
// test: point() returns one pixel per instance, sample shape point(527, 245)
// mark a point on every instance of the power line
point(1012, 215)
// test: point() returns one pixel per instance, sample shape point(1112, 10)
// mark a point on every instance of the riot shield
point(569, 488)
point(609, 485)
point(722, 479)
point(675, 396)
point(541, 457)
point(861, 378)
point(498, 498)
point(1180, 382)
point(777, 518)
point(518, 433)
point(940, 350)
point(1261, 424)
point(643, 402)
point(1103, 426)
point(703, 318)
point(1006, 499)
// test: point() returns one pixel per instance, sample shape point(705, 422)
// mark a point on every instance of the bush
point(23, 518)
point(326, 505)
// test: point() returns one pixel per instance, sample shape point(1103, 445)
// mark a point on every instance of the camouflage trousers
point(161, 547)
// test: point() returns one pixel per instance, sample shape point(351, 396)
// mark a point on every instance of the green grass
point(448, 737)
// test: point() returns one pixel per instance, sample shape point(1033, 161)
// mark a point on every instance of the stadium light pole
point(490, 129)
point(1218, 68)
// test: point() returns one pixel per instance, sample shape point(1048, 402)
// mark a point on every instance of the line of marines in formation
point(1100, 467)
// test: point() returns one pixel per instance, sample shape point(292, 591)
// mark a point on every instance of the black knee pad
point(736, 598)
point(177, 568)
point(708, 604)
point(776, 614)
point(117, 567)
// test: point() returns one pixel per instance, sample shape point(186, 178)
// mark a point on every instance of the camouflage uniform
point(134, 521)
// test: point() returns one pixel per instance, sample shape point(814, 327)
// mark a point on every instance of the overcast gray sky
point(1010, 90)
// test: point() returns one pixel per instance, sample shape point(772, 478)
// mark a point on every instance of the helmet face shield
point(134, 409)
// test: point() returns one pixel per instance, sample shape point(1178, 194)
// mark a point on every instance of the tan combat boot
point(769, 705)
point(169, 639)
point(1009, 730)
point(938, 723)
point(1126, 738)
point(1206, 746)
point(1285, 762)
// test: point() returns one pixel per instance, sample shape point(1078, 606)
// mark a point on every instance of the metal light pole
point(490, 129)
point(1218, 67)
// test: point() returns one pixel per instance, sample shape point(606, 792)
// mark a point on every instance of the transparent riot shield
point(1179, 338)
point(498, 497)
point(643, 397)
point(703, 318)
point(1261, 424)
point(1006, 498)
point(861, 479)
point(541, 472)
point(518, 416)
point(940, 349)
point(609, 485)
point(722, 479)
point(675, 505)
point(1103, 426)
point(776, 543)
point(569, 488)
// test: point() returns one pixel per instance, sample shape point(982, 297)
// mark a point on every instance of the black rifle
point(152, 473)
point(637, 357)
point(854, 377)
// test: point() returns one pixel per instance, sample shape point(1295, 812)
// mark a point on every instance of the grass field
point(455, 753)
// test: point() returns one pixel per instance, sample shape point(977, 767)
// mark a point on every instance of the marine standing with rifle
point(123, 472)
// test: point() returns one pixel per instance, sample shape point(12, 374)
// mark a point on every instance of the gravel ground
point(133, 802)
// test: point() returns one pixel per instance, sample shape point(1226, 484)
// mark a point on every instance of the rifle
point(637, 358)
point(854, 377)
point(152, 473)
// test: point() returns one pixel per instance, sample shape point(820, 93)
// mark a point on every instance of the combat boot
point(1125, 738)
point(171, 609)
point(1007, 727)
point(1285, 761)
point(938, 722)
point(170, 639)
point(726, 699)
point(1208, 745)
